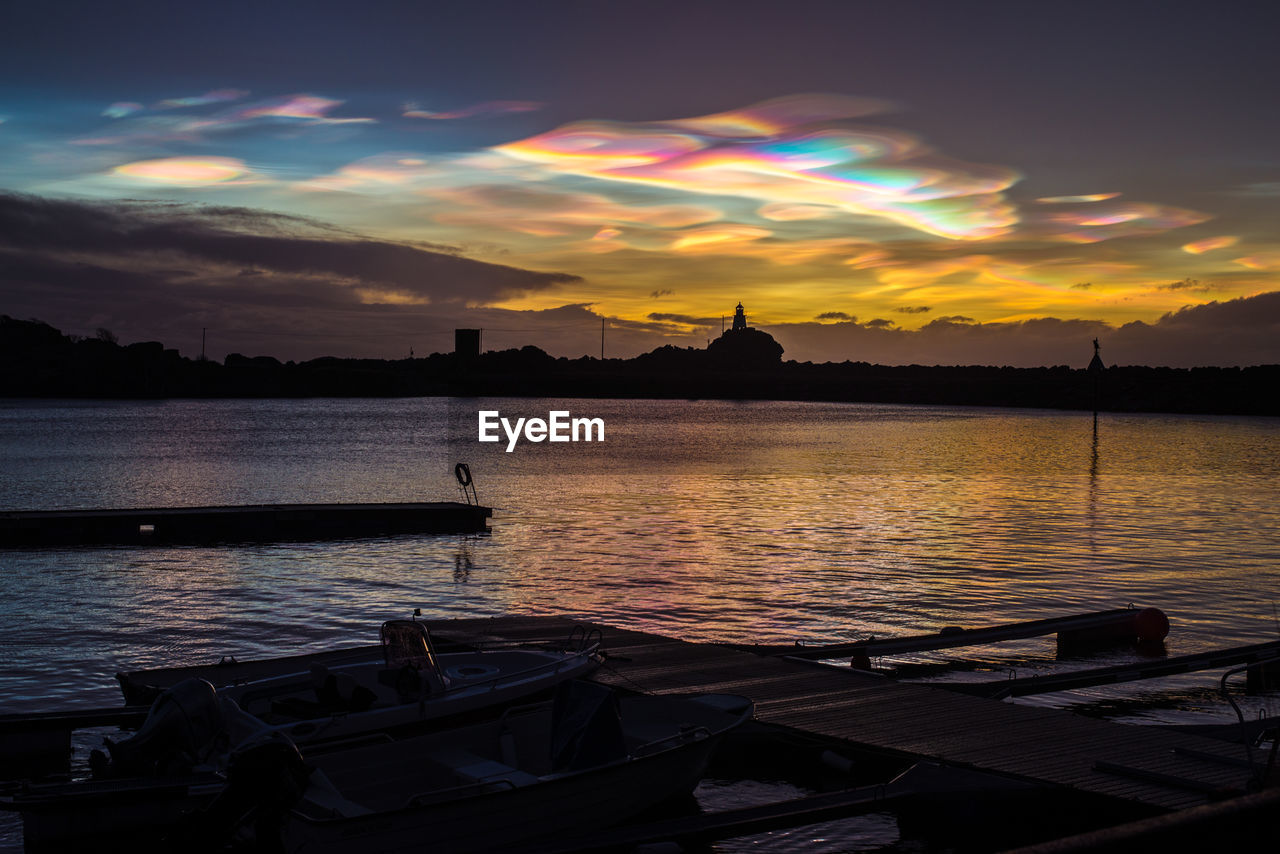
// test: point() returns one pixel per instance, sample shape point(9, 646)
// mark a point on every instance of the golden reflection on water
point(707, 520)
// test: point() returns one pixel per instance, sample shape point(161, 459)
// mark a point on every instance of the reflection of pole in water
point(1093, 462)
point(1092, 511)
point(462, 560)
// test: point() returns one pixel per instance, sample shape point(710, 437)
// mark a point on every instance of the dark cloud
point(157, 270)
point(687, 319)
point(123, 235)
point(1188, 285)
point(914, 309)
point(266, 284)
point(1239, 332)
point(662, 292)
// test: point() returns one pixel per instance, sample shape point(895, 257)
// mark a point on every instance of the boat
point(591, 758)
point(406, 688)
point(176, 761)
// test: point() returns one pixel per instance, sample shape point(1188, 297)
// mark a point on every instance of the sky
point(897, 183)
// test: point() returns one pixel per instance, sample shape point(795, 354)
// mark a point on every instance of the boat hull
point(505, 806)
point(498, 820)
point(138, 807)
point(116, 815)
point(481, 682)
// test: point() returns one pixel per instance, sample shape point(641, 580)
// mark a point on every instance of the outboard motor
point(185, 727)
point(266, 776)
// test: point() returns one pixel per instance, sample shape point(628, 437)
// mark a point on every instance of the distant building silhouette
point(1096, 364)
point(466, 343)
point(744, 347)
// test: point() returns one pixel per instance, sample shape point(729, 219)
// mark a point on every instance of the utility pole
point(602, 339)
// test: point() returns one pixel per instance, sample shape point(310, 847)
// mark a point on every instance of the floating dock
point(254, 522)
point(1150, 769)
point(971, 753)
point(1148, 625)
point(1257, 653)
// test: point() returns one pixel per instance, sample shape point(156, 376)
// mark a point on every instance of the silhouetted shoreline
point(38, 361)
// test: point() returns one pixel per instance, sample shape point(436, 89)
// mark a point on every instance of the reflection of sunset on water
point(707, 520)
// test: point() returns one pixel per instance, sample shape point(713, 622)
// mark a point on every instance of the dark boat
point(589, 760)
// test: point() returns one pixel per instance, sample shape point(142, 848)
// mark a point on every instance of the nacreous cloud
point(168, 122)
point(537, 211)
point(185, 171)
point(482, 110)
point(790, 154)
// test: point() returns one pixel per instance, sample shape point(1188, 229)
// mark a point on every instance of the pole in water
point(1096, 368)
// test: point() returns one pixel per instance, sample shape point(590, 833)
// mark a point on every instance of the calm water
point(701, 519)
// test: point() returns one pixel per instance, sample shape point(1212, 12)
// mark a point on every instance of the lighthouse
point(739, 319)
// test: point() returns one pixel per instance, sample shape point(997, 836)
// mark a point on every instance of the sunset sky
point(898, 182)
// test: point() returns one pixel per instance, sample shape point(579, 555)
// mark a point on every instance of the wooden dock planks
point(1034, 743)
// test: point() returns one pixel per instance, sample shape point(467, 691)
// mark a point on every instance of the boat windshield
point(405, 643)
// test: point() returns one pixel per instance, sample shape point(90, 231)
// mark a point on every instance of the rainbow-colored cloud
point(217, 96)
point(1199, 247)
point(790, 154)
point(1099, 221)
point(185, 171)
point(481, 110)
point(137, 126)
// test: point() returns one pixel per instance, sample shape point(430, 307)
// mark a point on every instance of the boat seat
point(335, 694)
point(323, 800)
point(340, 691)
point(477, 769)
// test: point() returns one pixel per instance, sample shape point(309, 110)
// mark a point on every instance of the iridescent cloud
point(547, 212)
point(1199, 247)
point(380, 172)
point(309, 107)
point(141, 129)
point(785, 212)
point(1118, 219)
point(1260, 261)
point(120, 109)
point(716, 237)
point(217, 96)
point(481, 110)
point(185, 171)
point(789, 152)
point(1075, 200)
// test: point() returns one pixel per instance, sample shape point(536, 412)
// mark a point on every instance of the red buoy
point(1151, 625)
